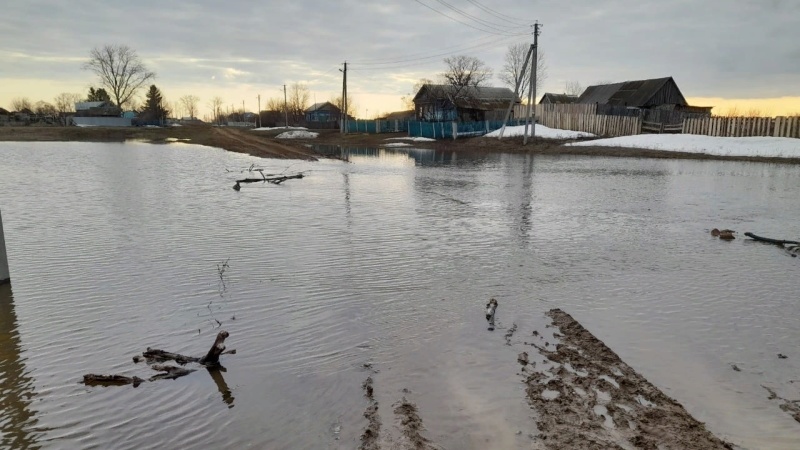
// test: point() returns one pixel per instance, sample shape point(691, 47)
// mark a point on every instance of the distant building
point(5, 116)
point(656, 93)
point(400, 115)
point(323, 115)
point(323, 112)
point(97, 109)
point(439, 102)
point(556, 99)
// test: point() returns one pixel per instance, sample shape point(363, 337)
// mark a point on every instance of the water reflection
point(222, 386)
point(16, 387)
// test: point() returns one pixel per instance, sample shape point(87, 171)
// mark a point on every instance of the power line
point(463, 23)
point(491, 42)
point(498, 15)
point(483, 22)
point(424, 61)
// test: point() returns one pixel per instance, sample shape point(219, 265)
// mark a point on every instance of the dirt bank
point(263, 143)
point(586, 397)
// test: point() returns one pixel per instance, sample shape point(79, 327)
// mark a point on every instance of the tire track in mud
point(586, 397)
point(371, 434)
point(409, 424)
point(238, 141)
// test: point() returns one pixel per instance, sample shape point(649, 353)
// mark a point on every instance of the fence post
point(5, 276)
point(455, 130)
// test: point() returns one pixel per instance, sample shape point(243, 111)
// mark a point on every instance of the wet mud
point(586, 397)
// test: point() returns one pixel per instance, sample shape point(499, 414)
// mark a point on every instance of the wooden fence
point(744, 126)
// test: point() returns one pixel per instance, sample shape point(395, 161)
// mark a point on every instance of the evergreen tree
point(98, 95)
point(153, 109)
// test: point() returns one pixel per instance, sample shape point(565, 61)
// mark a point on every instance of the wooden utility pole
point(516, 91)
point(532, 87)
point(285, 107)
point(344, 98)
point(259, 110)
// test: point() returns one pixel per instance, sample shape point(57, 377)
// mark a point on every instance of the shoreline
point(264, 144)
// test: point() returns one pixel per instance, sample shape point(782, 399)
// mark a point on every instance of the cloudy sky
point(743, 53)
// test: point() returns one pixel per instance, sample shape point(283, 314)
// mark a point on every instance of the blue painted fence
point(434, 130)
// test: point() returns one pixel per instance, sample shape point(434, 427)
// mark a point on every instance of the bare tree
point(466, 71)
point(408, 99)
point(512, 67)
point(65, 104)
point(298, 98)
point(42, 108)
point(21, 103)
point(120, 70)
point(189, 103)
point(573, 88)
point(216, 108)
point(352, 107)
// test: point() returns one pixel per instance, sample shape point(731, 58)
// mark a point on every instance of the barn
point(657, 99)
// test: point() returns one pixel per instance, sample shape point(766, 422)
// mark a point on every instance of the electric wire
point(482, 22)
point(499, 15)
point(463, 23)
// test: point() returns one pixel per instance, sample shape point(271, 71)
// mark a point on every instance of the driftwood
point(771, 241)
point(269, 179)
point(212, 357)
point(793, 247)
point(91, 379)
point(169, 372)
point(210, 360)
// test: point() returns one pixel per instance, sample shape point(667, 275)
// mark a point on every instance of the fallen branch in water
point(793, 247)
point(771, 241)
point(210, 360)
point(91, 379)
point(272, 179)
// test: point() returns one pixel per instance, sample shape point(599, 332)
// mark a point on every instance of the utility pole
point(516, 90)
point(259, 110)
point(285, 107)
point(344, 99)
point(532, 87)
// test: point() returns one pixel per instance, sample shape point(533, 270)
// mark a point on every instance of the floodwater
point(381, 267)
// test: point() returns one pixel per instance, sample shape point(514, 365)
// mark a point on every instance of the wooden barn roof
point(486, 98)
point(559, 98)
point(628, 93)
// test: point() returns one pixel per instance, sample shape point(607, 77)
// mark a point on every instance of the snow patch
point(396, 144)
point(297, 134)
point(277, 128)
point(541, 132)
point(415, 139)
point(775, 147)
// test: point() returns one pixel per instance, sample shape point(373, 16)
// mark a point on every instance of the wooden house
point(557, 99)
point(438, 102)
point(322, 113)
point(5, 116)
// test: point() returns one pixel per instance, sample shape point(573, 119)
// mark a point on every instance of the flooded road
point(381, 267)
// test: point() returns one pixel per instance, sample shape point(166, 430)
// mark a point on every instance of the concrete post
point(5, 276)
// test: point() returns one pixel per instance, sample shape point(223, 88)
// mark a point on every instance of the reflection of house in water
point(16, 387)
point(420, 156)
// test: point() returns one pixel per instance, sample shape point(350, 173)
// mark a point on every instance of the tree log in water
point(269, 179)
point(91, 379)
point(793, 247)
point(211, 359)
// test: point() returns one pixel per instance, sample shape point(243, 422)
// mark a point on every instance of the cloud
point(714, 48)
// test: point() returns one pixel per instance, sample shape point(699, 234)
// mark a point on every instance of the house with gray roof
point(441, 102)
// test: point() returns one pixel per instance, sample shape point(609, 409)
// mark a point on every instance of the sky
point(742, 54)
